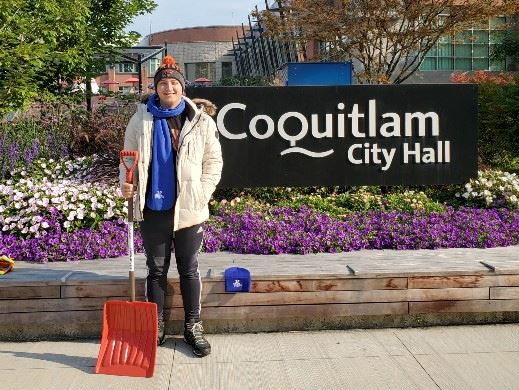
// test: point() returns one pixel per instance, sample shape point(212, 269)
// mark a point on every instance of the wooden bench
point(289, 292)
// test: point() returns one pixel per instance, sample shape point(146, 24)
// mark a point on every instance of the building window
point(226, 69)
point(201, 69)
point(467, 50)
point(153, 65)
point(127, 67)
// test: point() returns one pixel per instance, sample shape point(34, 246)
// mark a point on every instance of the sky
point(170, 14)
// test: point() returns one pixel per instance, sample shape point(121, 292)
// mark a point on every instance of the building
point(124, 76)
point(469, 50)
point(201, 52)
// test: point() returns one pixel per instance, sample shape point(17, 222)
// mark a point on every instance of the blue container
point(237, 279)
point(317, 73)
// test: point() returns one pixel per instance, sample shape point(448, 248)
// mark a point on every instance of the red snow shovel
point(129, 341)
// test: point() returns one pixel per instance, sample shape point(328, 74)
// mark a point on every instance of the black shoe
point(194, 336)
point(161, 338)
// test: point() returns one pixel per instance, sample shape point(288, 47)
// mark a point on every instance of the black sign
point(348, 135)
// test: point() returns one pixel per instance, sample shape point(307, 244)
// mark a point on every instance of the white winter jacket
point(198, 162)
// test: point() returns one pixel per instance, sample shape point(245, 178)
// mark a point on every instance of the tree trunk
point(88, 92)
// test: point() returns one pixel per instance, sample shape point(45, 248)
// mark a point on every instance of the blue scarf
point(162, 192)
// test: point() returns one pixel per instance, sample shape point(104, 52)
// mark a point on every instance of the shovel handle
point(124, 154)
point(129, 169)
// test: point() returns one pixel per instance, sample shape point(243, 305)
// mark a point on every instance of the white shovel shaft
point(130, 246)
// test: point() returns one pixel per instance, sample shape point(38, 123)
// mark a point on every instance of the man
point(180, 165)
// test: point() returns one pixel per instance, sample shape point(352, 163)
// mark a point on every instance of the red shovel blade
point(129, 342)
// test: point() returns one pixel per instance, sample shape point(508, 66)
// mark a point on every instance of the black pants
point(158, 238)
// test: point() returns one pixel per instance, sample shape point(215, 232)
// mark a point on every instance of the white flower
point(66, 224)
point(45, 225)
point(513, 199)
point(71, 216)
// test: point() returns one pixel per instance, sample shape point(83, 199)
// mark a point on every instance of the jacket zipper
point(190, 130)
point(178, 151)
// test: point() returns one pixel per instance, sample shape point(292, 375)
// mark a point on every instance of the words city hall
point(414, 124)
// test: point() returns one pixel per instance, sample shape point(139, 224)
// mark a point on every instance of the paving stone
point(469, 371)
point(462, 339)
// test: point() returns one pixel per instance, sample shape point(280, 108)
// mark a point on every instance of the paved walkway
point(464, 357)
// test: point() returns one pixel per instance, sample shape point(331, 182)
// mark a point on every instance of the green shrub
point(410, 201)
point(336, 203)
point(324, 204)
point(238, 203)
point(363, 199)
point(498, 114)
point(273, 195)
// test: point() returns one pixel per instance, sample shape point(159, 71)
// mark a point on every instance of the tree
point(508, 46)
point(389, 38)
point(29, 32)
point(47, 44)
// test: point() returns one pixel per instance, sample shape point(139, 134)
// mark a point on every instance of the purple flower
point(285, 230)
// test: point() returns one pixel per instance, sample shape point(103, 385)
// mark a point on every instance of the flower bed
point(284, 230)
point(58, 210)
point(107, 241)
